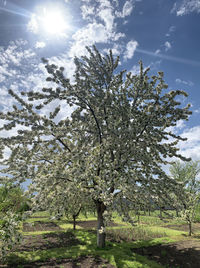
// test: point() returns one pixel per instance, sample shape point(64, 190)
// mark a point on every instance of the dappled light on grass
point(65, 246)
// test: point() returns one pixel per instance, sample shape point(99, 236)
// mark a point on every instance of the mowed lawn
point(151, 243)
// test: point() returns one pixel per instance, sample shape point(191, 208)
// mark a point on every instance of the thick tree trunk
point(101, 235)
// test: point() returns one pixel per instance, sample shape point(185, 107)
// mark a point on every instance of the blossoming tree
point(187, 196)
point(116, 138)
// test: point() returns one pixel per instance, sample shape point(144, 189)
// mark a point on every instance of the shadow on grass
point(48, 241)
point(118, 254)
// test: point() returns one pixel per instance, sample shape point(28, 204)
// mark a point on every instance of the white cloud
point(116, 49)
point(191, 147)
point(157, 51)
point(87, 36)
point(108, 18)
point(40, 44)
point(167, 46)
point(87, 12)
point(180, 125)
point(104, 3)
point(186, 7)
point(100, 26)
point(127, 9)
point(187, 83)
point(130, 49)
point(135, 69)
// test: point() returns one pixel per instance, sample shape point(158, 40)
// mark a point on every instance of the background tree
point(62, 199)
point(13, 203)
point(188, 191)
point(117, 136)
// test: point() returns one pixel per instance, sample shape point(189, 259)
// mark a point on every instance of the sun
point(54, 22)
point(50, 21)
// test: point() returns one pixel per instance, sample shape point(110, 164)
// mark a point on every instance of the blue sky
point(164, 34)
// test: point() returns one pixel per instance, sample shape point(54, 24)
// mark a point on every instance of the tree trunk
point(149, 212)
point(74, 222)
point(101, 235)
point(75, 216)
point(190, 228)
point(177, 215)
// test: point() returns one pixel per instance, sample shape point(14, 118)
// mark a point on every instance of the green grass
point(141, 232)
point(150, 232)
point(119, 255)
point(41, 214)
point(32, 220)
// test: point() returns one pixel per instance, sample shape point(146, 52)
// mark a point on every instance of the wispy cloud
point(167, 45)
point(157, 51)
point(171, 58)
point(170, 31)
point(127, 9)
point(185, 7)
point(187, 83)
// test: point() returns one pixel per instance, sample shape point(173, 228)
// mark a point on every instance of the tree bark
point(74, 222)
point(101, 236)
point(190, 228)
point(75, 216)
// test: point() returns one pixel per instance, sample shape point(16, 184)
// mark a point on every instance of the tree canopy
point(117, 137)
point(187, 195)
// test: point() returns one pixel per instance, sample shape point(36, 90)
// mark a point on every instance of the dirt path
point(182, 254)
point(40, 226)
point(93, 224)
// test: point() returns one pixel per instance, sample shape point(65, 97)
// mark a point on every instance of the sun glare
point(54, 22)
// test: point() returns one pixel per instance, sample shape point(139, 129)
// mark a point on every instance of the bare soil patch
point(48, 241)
point(83, 262)
point(184, 254)
point(93, 224)
point(184, 227)
point(40, 226)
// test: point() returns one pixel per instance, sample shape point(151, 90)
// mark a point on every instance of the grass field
point(53, 243)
